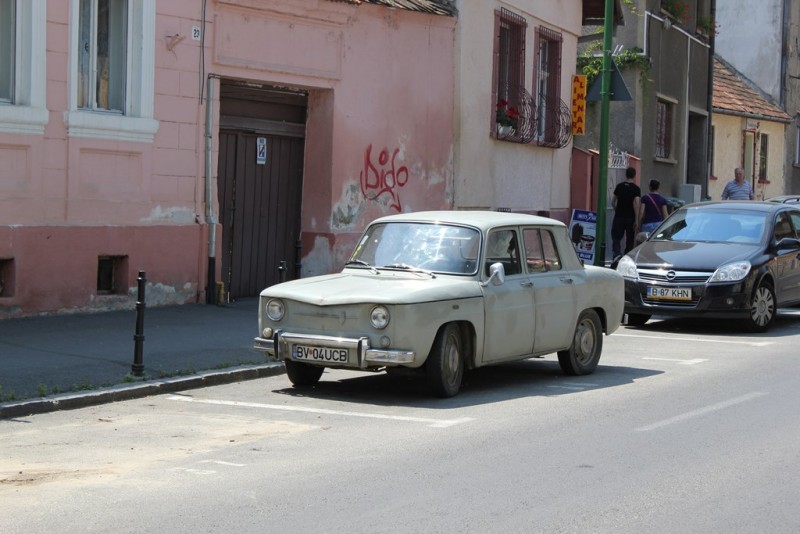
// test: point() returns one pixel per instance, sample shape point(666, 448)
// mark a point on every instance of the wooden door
point(260, 201)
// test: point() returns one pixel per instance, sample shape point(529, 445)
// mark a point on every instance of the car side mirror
point(788, 243)
point(497, 275)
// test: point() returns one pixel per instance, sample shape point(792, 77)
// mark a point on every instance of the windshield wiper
point(371, 268)
point(409, 268)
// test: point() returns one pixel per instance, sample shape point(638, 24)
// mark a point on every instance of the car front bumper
point(707, 300)
point(361, 355)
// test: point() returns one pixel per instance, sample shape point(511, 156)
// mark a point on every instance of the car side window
point(541, 254)
point(534, 255)
point(551, 258)
point(796, 222)
point(502, 247)
point(783, 227)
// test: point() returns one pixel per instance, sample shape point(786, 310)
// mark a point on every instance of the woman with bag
point(653, 208)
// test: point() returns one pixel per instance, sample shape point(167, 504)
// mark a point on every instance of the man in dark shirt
point(627, 197)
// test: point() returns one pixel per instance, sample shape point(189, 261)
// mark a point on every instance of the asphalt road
point(685, 427)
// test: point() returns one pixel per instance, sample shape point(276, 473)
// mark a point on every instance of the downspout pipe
point(211, 289)
point(710, 96)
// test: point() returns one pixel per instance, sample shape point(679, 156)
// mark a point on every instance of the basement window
point(112, 275)
point(7, 277)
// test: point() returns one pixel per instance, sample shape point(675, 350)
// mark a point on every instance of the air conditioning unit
point(689, 193)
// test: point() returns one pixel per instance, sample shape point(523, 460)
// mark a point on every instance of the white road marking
point(220, 462)
point(702, 411)
point(677, 360)
point(679, 338)
point(194, 471)
point(436, 423)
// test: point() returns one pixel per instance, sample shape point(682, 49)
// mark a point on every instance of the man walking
point(627, 197)
point(737, 189)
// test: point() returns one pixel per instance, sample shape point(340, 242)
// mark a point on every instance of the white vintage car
point(441, 292)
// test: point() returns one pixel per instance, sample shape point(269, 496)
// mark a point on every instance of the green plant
point(677, 9)
point(708, 26)
point(41, 390)
point(591, 64)
point(10, 396)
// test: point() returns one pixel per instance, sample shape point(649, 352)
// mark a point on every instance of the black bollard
point(138, 338)
point(282, 268)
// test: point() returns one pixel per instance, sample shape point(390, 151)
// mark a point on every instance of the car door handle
point(526, 284)
point(566, 279)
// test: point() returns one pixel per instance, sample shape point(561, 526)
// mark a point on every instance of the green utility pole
point(605, 97)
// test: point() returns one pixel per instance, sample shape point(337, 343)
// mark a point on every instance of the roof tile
point(436, 7)
point(732, 95)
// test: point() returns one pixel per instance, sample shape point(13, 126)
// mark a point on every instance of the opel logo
point(671, 275)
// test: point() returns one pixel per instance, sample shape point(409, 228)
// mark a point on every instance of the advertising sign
point(582, 233)
point(578, 105)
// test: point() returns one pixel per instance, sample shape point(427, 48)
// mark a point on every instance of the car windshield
point(435, 247)
point(713, 226)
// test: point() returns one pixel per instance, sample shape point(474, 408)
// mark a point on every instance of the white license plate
point(669, 293)
point(319, 354)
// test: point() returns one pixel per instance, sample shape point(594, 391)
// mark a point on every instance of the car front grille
point(663, 276)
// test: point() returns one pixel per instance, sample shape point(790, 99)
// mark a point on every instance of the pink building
point(210, 144)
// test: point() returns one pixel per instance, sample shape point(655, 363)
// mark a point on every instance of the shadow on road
point(499, 383)
point(787, 323)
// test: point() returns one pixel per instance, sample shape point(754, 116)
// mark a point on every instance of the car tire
point(582, 356)
point(303, 374)
point(763, 308)
point(445, 364)
point(637, 319)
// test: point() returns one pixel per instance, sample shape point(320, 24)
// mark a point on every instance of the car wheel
point(303, 374)
point(587, 343)
point(637, 319)
point(445, 365)
point(762, 308)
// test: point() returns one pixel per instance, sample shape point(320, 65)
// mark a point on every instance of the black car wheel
point(637, 319)
point(762, 308)
point(445, 365)
point(303, 374)
point(587, 343)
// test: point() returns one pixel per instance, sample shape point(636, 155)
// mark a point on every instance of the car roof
point(479, 218)
point(784, 198)
point(744, 205)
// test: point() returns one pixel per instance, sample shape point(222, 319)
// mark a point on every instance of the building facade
point(748, 132)
point(664, 56)
point(761, 40)
point(514, 69)
point(215, 146)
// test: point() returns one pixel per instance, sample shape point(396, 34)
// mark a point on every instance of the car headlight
point(275, 309)
point(731, 272)
point(627, 268)
point(379, 317)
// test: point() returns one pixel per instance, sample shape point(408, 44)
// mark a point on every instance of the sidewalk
point(67, 361)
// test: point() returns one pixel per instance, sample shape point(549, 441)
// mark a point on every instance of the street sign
point(261, 151)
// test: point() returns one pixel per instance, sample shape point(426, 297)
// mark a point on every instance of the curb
point(71, 401)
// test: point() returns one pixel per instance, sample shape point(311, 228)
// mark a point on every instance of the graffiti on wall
point(384, 177)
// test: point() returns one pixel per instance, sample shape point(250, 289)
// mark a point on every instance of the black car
point(729, 259)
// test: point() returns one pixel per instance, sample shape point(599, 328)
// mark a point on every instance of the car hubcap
point(763, 307)
point(585, 341)
point(451, 361)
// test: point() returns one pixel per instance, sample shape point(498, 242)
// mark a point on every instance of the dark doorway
point(260, 175)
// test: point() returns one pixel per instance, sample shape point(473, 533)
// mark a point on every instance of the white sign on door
point(261, 151)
